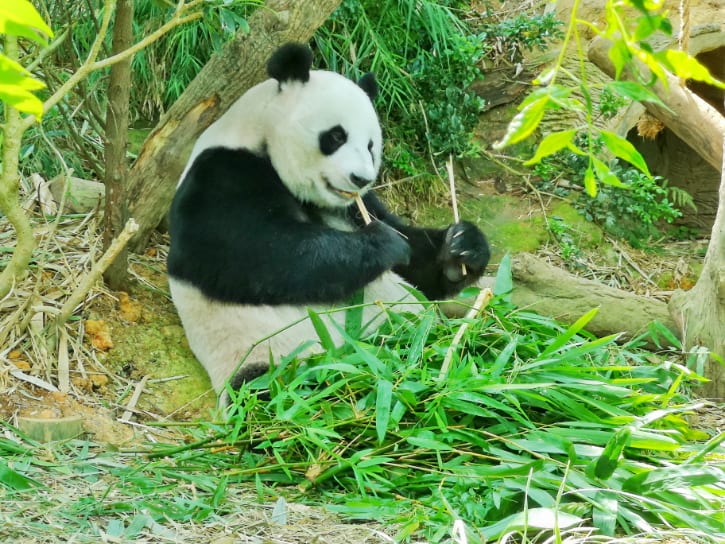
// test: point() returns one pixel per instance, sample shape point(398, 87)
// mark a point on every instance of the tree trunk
point(223, 79)
point(116, 167)
point(700, 312)
point(693, 120)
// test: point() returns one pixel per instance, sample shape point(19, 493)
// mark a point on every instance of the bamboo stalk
point(454, 200)
point(362, 208)
point(482, 300)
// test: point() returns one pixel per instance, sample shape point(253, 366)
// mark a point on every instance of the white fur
point(221, 334)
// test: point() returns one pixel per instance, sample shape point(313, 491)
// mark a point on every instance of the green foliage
point(425, 54)
point(634, 210)
point(629, 37)
point(531, 417)
point(522, 33)
point(21, 19)
point(449, 111)
point(610, 103)
point(425, 58)
point(162, 71)
point(563, 234)
point(533, 428)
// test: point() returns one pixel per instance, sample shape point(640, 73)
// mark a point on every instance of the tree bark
point(12, 135)
point(551, 291)
point(700, 312)
point(693, 120)
point(223, 79)
point(116, 134)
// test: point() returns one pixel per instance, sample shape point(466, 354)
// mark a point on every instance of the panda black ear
point(368, 84)
point(291, 62)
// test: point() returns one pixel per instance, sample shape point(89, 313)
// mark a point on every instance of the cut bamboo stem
point(482, 300)
point(362, 208)
point(454, 200)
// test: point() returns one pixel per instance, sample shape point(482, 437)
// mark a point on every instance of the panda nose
point(360, 182)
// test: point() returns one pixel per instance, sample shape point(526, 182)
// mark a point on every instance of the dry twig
point(362, 208)
point(454, 200)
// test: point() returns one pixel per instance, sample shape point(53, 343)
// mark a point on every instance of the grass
point(536, 432)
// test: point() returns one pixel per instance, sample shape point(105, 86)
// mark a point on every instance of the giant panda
point(263, 224)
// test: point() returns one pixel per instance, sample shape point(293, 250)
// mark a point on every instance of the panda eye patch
point(333, 139)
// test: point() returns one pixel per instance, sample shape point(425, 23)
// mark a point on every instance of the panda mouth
point(347, 195)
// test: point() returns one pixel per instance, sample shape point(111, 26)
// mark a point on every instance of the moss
point(155, 346)
point(585, 233)
point(508, 222)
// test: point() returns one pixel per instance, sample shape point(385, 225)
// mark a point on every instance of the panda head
point(323, 136)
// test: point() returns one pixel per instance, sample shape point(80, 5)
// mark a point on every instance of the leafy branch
point(23, 20)
point(629, 37)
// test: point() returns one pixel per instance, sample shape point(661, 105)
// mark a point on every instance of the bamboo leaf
point(354, 314)
point(13, 479)
point(427, 442)
point(420, 338)
point(322, 333)
point(604, 513)
point(383, 401)
point(572, 331)
point(673, 477)
point(537, 518)
point(504, 279)
point(609, 460)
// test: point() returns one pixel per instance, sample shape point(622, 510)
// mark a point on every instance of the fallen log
point(692, 119)
point(551, 291)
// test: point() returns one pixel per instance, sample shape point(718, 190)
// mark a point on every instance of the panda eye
point(333, 139)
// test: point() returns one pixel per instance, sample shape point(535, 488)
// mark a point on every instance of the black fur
point(291, 62)
point(332, 139)
point(240, 236)
point(437, 256)
point(369, 84)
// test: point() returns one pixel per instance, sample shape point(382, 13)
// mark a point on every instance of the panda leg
point(248, 372)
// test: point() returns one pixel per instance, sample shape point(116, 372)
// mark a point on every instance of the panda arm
point(437, 255)
point(243, 238)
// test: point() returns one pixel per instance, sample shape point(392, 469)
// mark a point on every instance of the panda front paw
point(464, 254)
